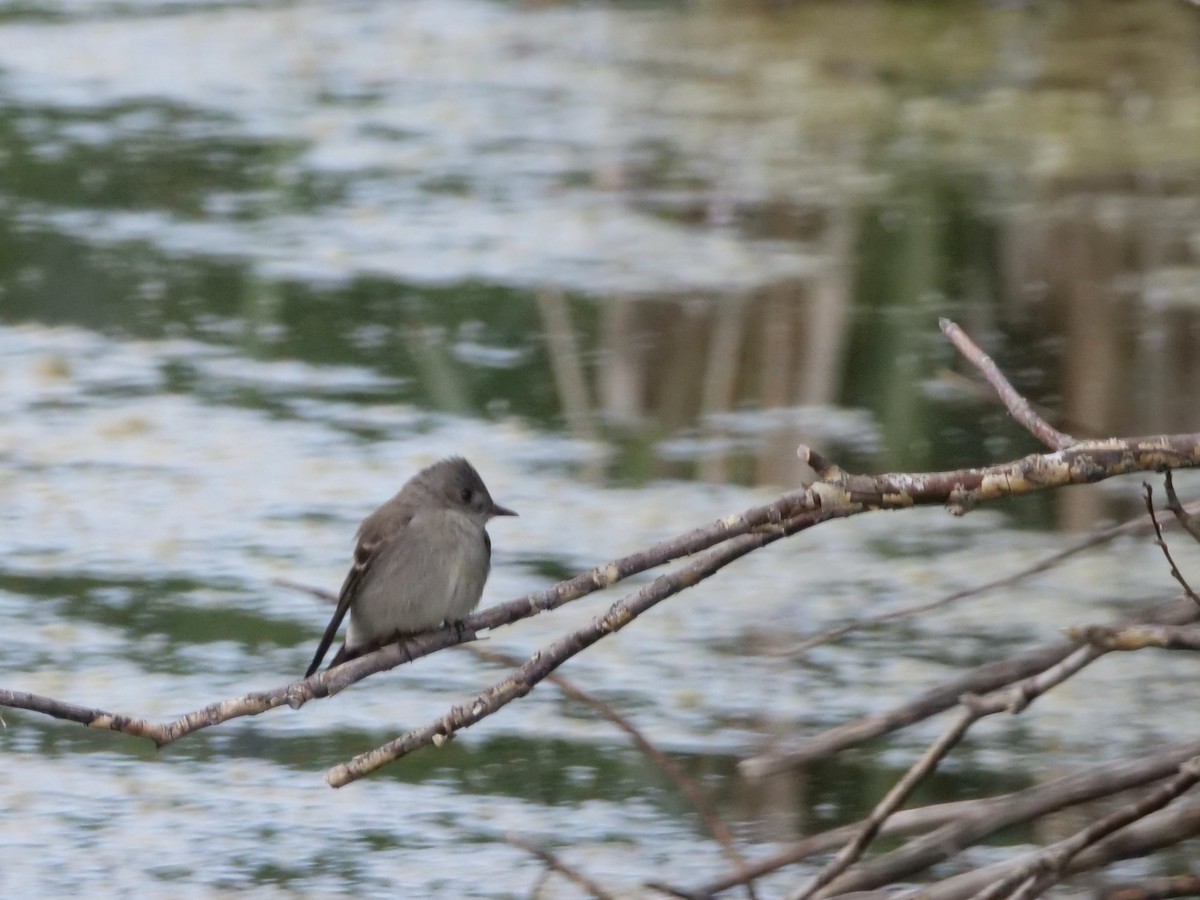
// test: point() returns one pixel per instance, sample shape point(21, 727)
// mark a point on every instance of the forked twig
point(1162, 545)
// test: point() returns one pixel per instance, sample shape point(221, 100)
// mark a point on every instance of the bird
point(421, 559)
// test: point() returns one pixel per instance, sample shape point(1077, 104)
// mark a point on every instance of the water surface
point(259, 263)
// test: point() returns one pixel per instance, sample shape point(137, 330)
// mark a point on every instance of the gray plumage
point(422, 559)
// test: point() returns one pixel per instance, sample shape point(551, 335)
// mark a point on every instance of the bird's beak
point(498, 510)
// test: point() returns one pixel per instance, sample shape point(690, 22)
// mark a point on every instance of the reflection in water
point(259, 263)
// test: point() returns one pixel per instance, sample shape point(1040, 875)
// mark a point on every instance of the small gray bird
point(422, 559)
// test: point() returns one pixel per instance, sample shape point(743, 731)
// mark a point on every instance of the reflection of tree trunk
point(720, 380)
point(811, 321)
point(1153, 360)
point(1019, 258)
point(1152, 352)
point(621, 364)
point(826, 317)
point(567, 364)
point(1187, 382)
point(920, 263)
point(1092, 367)
point(262, 312)
point(679, 332)
point(1166, 332)
point(781, 313)
point(438, 376)
point(778, 341)
point(780, 800)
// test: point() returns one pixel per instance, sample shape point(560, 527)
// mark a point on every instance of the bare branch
point(906, 821)
point(293, 695)
point(319, 593)
point(333, 681)
point(1162, 544)
point(93, 718)
point(948, 840)
point(553, 862)
point(1084, 462)
point(689, 788)
point(1185, 517)
point(1018, 407)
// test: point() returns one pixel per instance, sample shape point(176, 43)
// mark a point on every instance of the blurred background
point(259, 262)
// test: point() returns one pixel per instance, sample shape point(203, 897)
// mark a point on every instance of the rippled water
point(261, 263)
point(142, 550)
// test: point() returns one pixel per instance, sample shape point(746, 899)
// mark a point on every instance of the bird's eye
point(467, 495)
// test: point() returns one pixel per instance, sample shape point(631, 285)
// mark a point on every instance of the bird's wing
point(370, 541)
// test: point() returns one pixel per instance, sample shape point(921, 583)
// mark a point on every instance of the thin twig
point(555, 863)
point(712, 822)
point(1162, 544)
point(1095, 540)
point(1018, 407)
point(982, 391)
point(543, 877)
point(906, 821)
point(981, 679)
point(1185, 517)
point(320, 593)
